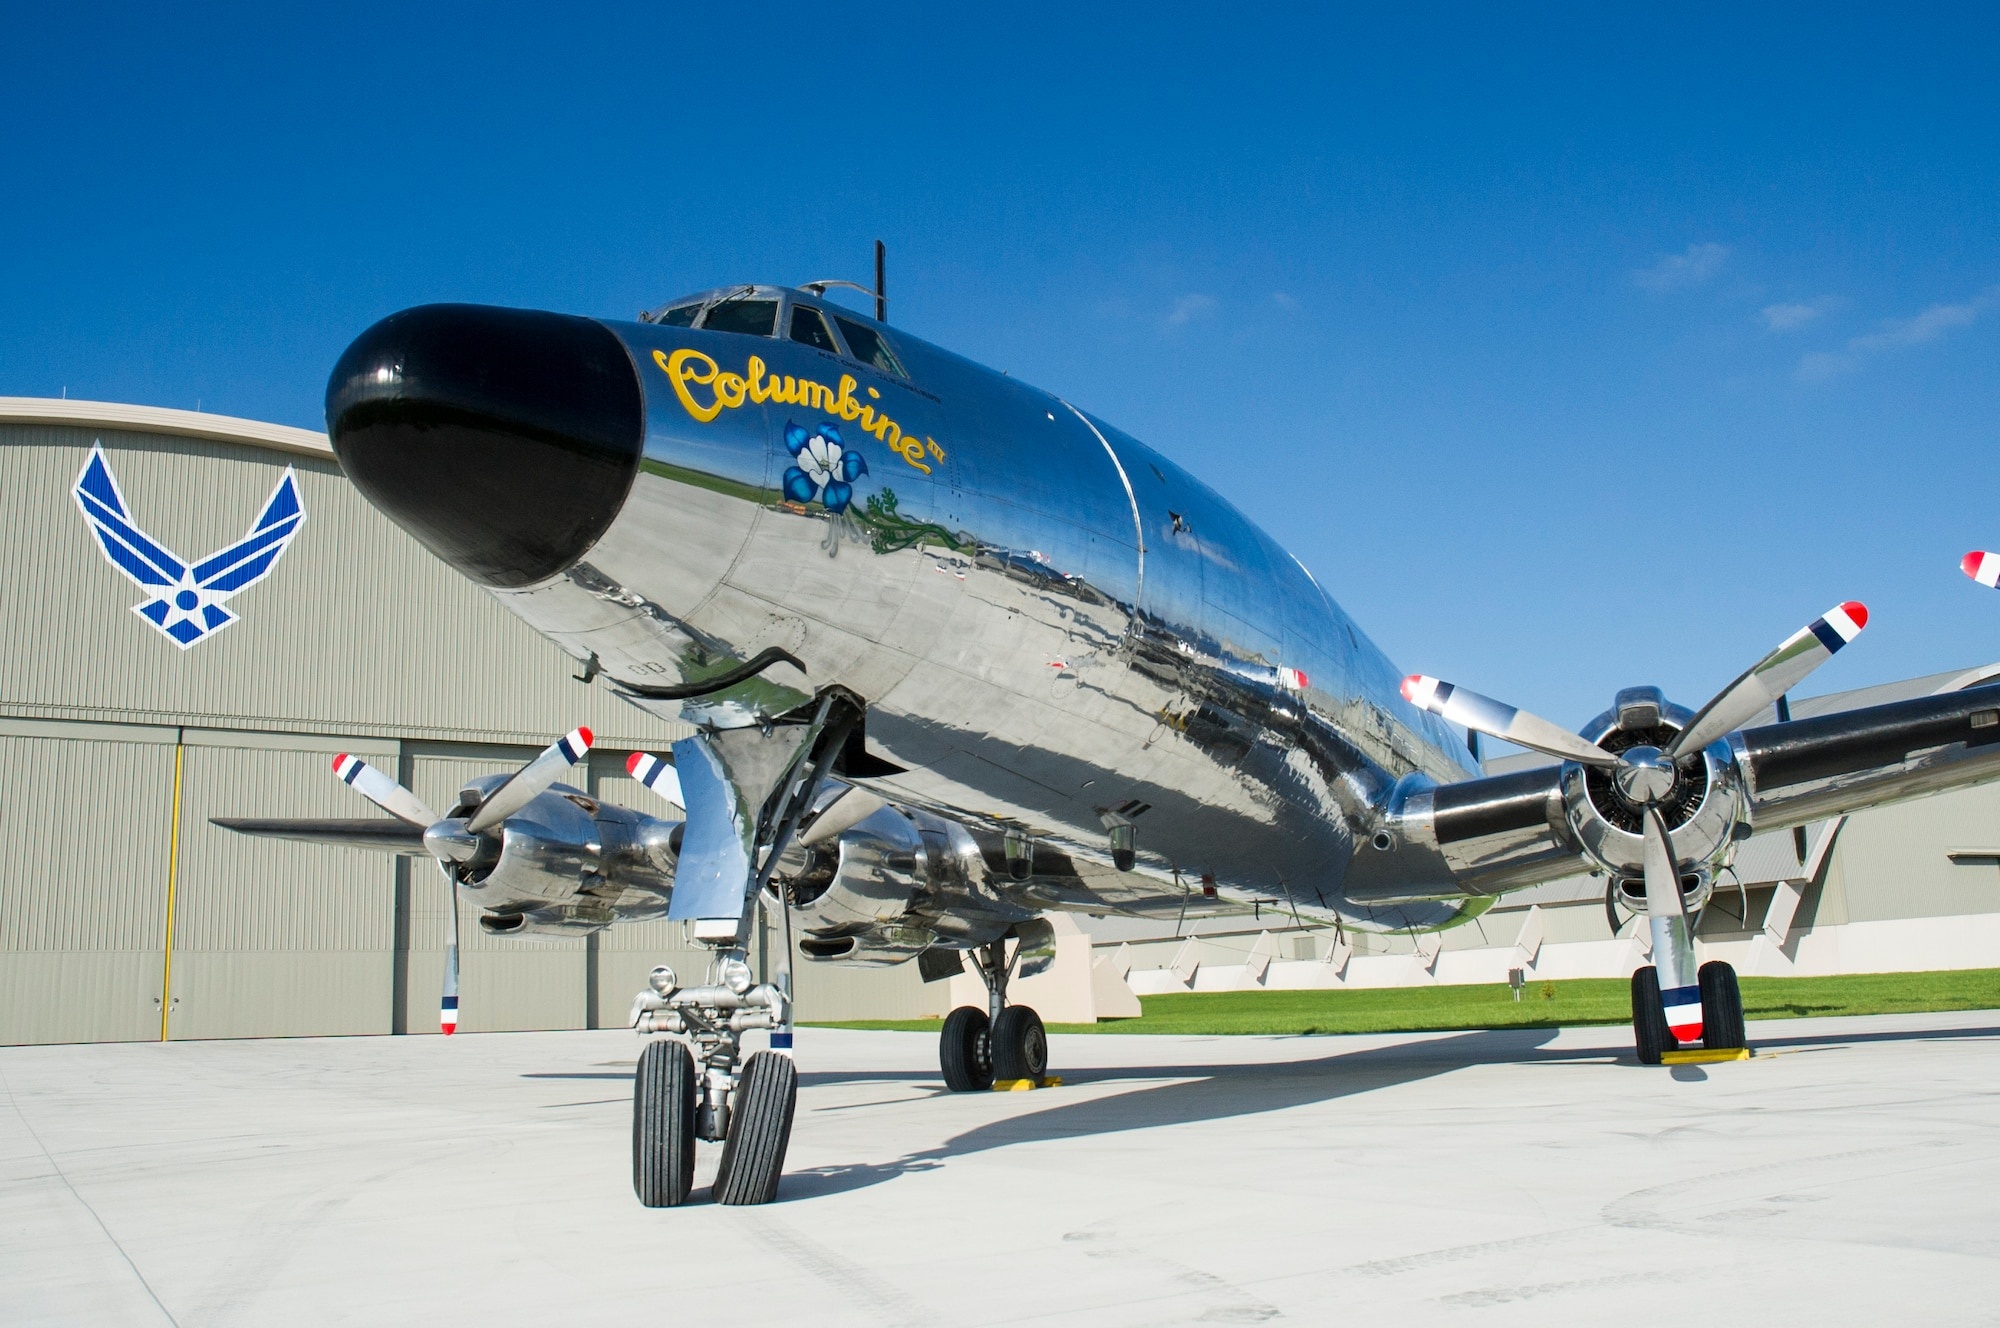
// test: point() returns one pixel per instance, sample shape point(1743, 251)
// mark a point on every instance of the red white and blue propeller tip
point(1841, 624)
point(448, 1016)
point(1982, 567)
point(657, 775)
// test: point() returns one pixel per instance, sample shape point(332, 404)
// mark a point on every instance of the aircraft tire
point(760, 1130)
point(1650, 1034)
point(1721, 1007)
point(965, 1050)
point(1020, 1045)
point(663, 1094)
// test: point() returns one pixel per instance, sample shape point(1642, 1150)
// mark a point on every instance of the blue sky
point(1571, 347)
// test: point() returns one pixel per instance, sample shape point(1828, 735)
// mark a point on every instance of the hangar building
point(124, 914)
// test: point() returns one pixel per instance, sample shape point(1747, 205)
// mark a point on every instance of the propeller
point(1982, 567)
point(657, 775)
point(1646, 775)
point(1673, 938)
point(527, 784)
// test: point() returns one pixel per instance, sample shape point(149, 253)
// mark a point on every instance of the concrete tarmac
point(1850, 1173)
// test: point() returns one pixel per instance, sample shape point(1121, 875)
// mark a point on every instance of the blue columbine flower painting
point(826, 467)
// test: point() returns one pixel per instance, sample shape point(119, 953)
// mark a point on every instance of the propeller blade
point(657, 775)
point(531, 780)
point(1673, 947)
point(1772, 676)
point(361, 832)
point(1982, 567)
point(1488, 716)
point(383, 791)
point(448, 1003)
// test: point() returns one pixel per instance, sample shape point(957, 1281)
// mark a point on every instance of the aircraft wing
point(372, 832)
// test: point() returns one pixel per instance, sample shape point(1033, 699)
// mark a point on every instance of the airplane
point(959, 653)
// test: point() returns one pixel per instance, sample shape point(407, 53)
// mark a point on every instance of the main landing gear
point(1721, 1012)
point(1003, 1043)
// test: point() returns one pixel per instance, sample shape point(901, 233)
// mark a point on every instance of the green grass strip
point(1542, 1005)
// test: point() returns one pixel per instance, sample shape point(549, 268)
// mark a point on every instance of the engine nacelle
point(566, 864)
point(895, 883)
point(1707, 813)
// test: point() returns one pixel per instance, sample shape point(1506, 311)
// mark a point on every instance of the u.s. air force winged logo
point(186, 599)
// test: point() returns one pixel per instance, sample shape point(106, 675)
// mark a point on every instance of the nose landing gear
point(745, 1104)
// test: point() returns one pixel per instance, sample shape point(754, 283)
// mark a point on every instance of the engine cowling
point(895, 883)
point(1706, 812)
point(566, 864)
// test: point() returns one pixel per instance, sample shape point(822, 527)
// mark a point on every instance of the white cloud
point(1283, 301)
point(1188, 308)
point(1680, 271)
point(1792, 315)
point(1897, 333)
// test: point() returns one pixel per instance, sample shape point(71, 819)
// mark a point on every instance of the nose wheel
point(753, 1156)
point(663, 1125)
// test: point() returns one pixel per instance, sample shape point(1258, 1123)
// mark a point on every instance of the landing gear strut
point(1002, 1042)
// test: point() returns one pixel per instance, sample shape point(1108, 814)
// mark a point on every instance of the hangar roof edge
point(161, 419)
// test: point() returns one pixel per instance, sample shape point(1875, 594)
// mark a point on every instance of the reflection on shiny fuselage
point(1049, 622)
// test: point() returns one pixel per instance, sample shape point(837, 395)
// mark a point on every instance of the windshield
point(757, 318)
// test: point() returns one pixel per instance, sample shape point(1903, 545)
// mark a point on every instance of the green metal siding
point(88, 812)
point(359, 641)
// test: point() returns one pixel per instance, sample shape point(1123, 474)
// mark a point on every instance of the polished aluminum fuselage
point(1054, 628)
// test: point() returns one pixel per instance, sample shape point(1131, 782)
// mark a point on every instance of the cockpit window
point(680, 316)
point(808, 326)
point(757, 318)
point(867, 346)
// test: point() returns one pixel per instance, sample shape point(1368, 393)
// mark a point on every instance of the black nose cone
point(504, 439)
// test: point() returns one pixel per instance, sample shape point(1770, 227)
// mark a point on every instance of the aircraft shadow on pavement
point(1762, 1037)
point(1200, 1093)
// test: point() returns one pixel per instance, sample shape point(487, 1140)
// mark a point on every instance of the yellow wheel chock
point(1704, 1056)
